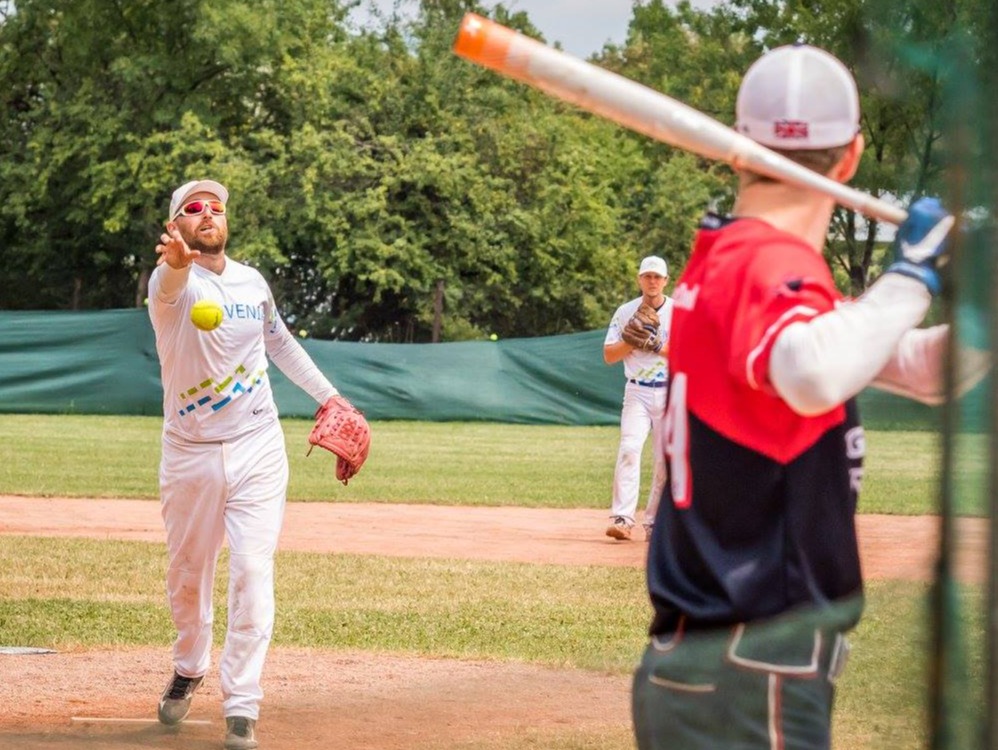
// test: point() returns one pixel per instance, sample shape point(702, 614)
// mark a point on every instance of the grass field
point(419, 462)
point(66, 594)
point(81, 593)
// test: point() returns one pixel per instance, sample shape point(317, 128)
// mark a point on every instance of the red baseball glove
point(341, 429)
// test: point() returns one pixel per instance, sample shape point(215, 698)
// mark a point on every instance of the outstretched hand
point(920, 245)
point(173, 250)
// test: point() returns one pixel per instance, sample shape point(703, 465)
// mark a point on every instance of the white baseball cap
point(798, 97)
point(653, 264)
point(182, 193)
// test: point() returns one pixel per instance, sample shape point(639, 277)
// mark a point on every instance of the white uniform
point(645, 392)
point(224, 467)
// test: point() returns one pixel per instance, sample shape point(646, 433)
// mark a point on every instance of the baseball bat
point(644, 110)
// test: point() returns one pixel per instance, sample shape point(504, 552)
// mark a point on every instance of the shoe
point(240, 733)
point(619, 529)
point(176, 701)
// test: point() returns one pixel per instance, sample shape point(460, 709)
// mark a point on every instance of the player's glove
point(920, 245)
point(642, 330)
point(342, 429)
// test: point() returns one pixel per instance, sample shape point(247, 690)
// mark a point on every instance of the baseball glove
point(341, 429)
point(642, 330)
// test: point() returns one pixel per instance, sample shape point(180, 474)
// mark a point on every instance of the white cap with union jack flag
point(798, 97)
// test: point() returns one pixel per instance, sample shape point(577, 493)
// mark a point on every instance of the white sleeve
point(168, 283)
point(614, 329)
point(294, 362)
point(818, 364)
point(916, 369)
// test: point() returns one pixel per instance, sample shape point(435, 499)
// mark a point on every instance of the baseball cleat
point(175, 703)
point(619, 529)
point(240, 733)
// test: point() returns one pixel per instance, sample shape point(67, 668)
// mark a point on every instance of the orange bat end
point(483, 41)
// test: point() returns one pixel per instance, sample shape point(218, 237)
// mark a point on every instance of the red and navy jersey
point(758, 513)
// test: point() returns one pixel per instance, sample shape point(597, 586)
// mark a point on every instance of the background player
point(224, 467)
point(753, 569)
point(647, 374)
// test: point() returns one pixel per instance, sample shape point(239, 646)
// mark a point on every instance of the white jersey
point(215, 384)
point(642, 366)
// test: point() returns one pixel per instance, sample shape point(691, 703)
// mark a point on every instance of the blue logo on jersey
point(244, 311)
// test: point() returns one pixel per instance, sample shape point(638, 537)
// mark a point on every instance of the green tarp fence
point(105, 363)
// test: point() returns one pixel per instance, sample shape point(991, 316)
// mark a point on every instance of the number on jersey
point(677, 442)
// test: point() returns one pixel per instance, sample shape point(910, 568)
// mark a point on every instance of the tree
point(696, 57)
point(110, 103)
point(458, 180)
point(380, 182)
point(900, 52)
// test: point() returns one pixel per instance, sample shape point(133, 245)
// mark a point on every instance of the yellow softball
point(206, 314)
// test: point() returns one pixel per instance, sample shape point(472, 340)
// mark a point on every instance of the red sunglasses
point(195, 208)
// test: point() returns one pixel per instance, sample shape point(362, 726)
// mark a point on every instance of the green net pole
point(990, 128)
point(955, 722)
point(991, 648)
point(942, 597)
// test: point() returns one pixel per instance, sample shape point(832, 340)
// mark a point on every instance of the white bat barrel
point(644, 110)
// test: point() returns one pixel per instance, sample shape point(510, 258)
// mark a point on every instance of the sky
point(581, 26)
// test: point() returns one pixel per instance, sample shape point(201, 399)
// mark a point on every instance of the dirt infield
point(891, 547)
point(318, 700)
point(315, 701)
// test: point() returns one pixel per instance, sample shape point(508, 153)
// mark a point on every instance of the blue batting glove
point(920, 244)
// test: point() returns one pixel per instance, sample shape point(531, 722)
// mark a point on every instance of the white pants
point(209, 492)
point(642, 413)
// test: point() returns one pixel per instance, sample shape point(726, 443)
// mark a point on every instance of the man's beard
point(213, 245)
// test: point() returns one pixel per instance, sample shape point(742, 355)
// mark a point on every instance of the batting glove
point(920, 244)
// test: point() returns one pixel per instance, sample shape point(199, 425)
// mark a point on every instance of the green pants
point(748, 687)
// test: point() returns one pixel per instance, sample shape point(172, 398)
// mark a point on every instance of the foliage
point(910, 59)
point(393, 192)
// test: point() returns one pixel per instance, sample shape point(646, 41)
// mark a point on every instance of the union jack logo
point(790, 129)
